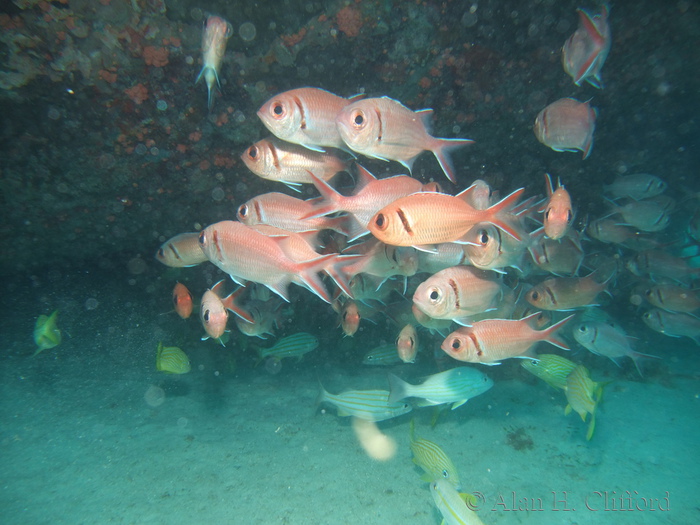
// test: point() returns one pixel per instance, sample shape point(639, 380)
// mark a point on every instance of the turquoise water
point(94, 181)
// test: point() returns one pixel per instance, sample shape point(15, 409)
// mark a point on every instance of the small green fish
point(172, 360)
point(46, 334)
point(432, 459)
point(292, 346)
point(551, 368)
point(384, 355)
point(372, 405)
point(583, 395)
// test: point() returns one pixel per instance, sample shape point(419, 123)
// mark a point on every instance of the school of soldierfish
point(491, 276)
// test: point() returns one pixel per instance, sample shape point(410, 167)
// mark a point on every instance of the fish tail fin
point(335, 271)
point(441, 149)
point(549, 333)
point(331, 199)
point(504, 206)
point(397, 388)
point(229, 303)
point(308, 273)
point(587, 146)
point(591, 428)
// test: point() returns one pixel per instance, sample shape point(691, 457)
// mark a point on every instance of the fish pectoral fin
point(458, 404)
point(567, 410)
point(591, 428)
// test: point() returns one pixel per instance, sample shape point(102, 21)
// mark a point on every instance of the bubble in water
point(247, 31)
point(218, 194)
point(54, 114)
point(636, 299)
point(196, 14)
point(273, 365)
point(182, 422)
point(154, 151)
point(162, 105)
point(91, 303)
point(141, 149)
point(154, 396)
point(136, 266)
point(469, 19)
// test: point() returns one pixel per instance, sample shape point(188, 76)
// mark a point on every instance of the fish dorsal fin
point(218, 288)
point(364, 177)
point(426, 116)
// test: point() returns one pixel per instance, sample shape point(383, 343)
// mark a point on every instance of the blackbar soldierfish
point(248, 255)
point(407, 344)
point(490, 341)
point(673, 324)
point(385, 129)
point(213, 311)
point(291, 164)
point(567, 125)
point(566, 293)
point(216, 32)
point(558, 214)
point(425, 219)
point(585, 51)
point(305, 116)
point(181, 251)
point(182, 300)
point(637, 186)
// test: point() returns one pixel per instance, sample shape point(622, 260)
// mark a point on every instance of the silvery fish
point(567, 125)
point(451, 505)
point(432, 459)
point(553, 369)
point(456, 386)
point(384, 355)
point(372, 405)
point(637, 186)
point(673, 324)
point(181, 251)
point(584, 53)
point(296, 345)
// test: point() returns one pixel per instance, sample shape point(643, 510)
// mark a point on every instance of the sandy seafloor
point(235, 444)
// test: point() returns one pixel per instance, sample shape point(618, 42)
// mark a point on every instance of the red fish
point(567, 125)
point(182, 300)
point(584, 53)
point(213, 311)
point(305, 116)
point(407, 344)
point(383, 128)
point(558, 215)
point(216, 33)
point(490, 341)
point(350, 318)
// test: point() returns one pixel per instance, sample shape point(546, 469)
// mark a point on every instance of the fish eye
point(206, 316)
point(583, 328)
point(278, 109)
point(445, 474)
point(456, 343)
point(534, 296)
point(434, 295)
point(546, 214)
point(358, 119)
point(253, 152)
point(202, 239)
point(380, 222)
point(161, 252)
point(569, 216)
point(483, 237)
point(243, 211)
point(648, 292)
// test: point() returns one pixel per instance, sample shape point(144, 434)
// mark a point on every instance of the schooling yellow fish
point(432, 459)
point(172, 360)
point(46, 334)
point(583, 395)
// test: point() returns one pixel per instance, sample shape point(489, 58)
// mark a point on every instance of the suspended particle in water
point(218, 194)
point(54, 114)
point(273, 365)
point(182, 422)
point(247, 31)
point(136, 266)
point(154, 396)
point(162, 105)
point(91, 303)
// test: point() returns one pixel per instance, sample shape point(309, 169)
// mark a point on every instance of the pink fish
point(350, 318)
point(407, 344)
point(567, 125)
point(558, 214)
point(383, 128)
point(584, 53)
point(248, 255)
point(490, 341)
point(213, 311)
point(216, 33)
point(305, 116)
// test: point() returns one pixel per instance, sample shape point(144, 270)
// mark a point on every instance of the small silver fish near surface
point(567, 125)
point(586, 50)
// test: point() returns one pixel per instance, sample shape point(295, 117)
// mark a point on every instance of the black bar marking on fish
point(275, 158)
point(301, 110)
point(380, 134)
point(258, 211)
point(404, 221)
point(175, 252)
point(477, 345)
point(453, 285)
point(549, 292)
point(215, 238)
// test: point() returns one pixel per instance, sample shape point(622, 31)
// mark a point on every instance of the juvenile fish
point(384, 355)
point(216, 32)
point(457, 386)
point(46, 333)
point(182, 300)
point(567, 125)
point(583, 396)
point(172, 360)
point(383, 128)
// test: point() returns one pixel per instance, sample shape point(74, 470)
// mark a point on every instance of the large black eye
point(359, 119)
point(202, 239)
point(483, 237)
point(445, 474)
point(253, 152)
point(380, 222)
point(206, 316)
point(161, 253)
point(535, 296)
point(456, 344)
point(569, 216)
point(278, 109)
point(648, 293)
point(243, 211)
point(583, 328)
point(546, 214)
point(434, 294)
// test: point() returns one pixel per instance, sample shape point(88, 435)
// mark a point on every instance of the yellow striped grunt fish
point(452, 505)
point(456, 386)
point(372, 405)
point(46, 334)
point(583, 395)
point(172, 360)
point(292, 346)
point(383, 355)
point(432, 459)
point(550, 368)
